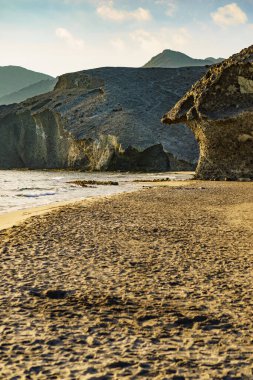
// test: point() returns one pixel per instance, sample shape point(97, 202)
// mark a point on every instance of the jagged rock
point(101, 119)
point(219, 110)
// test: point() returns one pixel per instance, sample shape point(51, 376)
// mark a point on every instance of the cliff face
point(101, 119)
point(219, 110)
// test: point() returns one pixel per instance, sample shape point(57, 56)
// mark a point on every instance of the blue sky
point(57, 36)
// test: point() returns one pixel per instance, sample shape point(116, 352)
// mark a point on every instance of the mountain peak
point(173, 59)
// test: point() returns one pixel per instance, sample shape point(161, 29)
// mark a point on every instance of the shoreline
point(13, 218)
point(17, 217)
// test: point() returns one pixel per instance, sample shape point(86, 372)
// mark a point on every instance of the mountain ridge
point(174, 59)
point(14, 78)
point(34, 89)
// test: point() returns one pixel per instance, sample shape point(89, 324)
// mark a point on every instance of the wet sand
point(153, 284)
point(17, 217)
point(14, 218)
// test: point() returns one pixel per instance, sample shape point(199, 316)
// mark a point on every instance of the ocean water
point(22, 189)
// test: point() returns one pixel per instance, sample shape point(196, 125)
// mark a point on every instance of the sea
point(23, 189)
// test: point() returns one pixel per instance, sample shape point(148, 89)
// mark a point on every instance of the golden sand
point(154, 284)
point(15, 218)
point(10, 219)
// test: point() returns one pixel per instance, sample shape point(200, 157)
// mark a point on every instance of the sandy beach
point(15, 218)
point(152, 284)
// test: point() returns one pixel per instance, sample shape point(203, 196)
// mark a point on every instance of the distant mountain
point(173, 59)
point(14, 78)
point(27, 92)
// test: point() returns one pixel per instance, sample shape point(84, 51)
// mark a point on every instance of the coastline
point(149, 284)
point(10, 219)
point(14, 218)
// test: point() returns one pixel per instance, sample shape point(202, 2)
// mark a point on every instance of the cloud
point(164, 38)
point(118, 43)
point(230, 14)
point(108, 12)
point(170, 6)
point(68, 37)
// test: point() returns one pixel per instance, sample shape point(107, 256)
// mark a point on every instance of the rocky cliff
point(101, 119)
point(219, 110)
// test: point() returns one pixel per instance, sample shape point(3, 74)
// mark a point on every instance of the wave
point(33, 188)
point(35, 195)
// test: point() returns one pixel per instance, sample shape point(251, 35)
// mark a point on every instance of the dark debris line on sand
point(155, 284)
point(85, 183)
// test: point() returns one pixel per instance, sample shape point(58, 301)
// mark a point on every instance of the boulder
point(219, 110)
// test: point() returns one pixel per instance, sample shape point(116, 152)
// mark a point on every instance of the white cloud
point(170, 5)
point(68, 37)
point(118, 43)
point(108, 12)
point(144, 39)
point(164, 38)
point(230, 14)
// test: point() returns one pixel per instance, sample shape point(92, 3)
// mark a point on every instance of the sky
point(59, 36)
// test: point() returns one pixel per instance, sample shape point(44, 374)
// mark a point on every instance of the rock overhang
point(219, 110)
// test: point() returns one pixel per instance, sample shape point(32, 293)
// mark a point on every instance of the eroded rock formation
point(219, 110)
point(101, 119)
